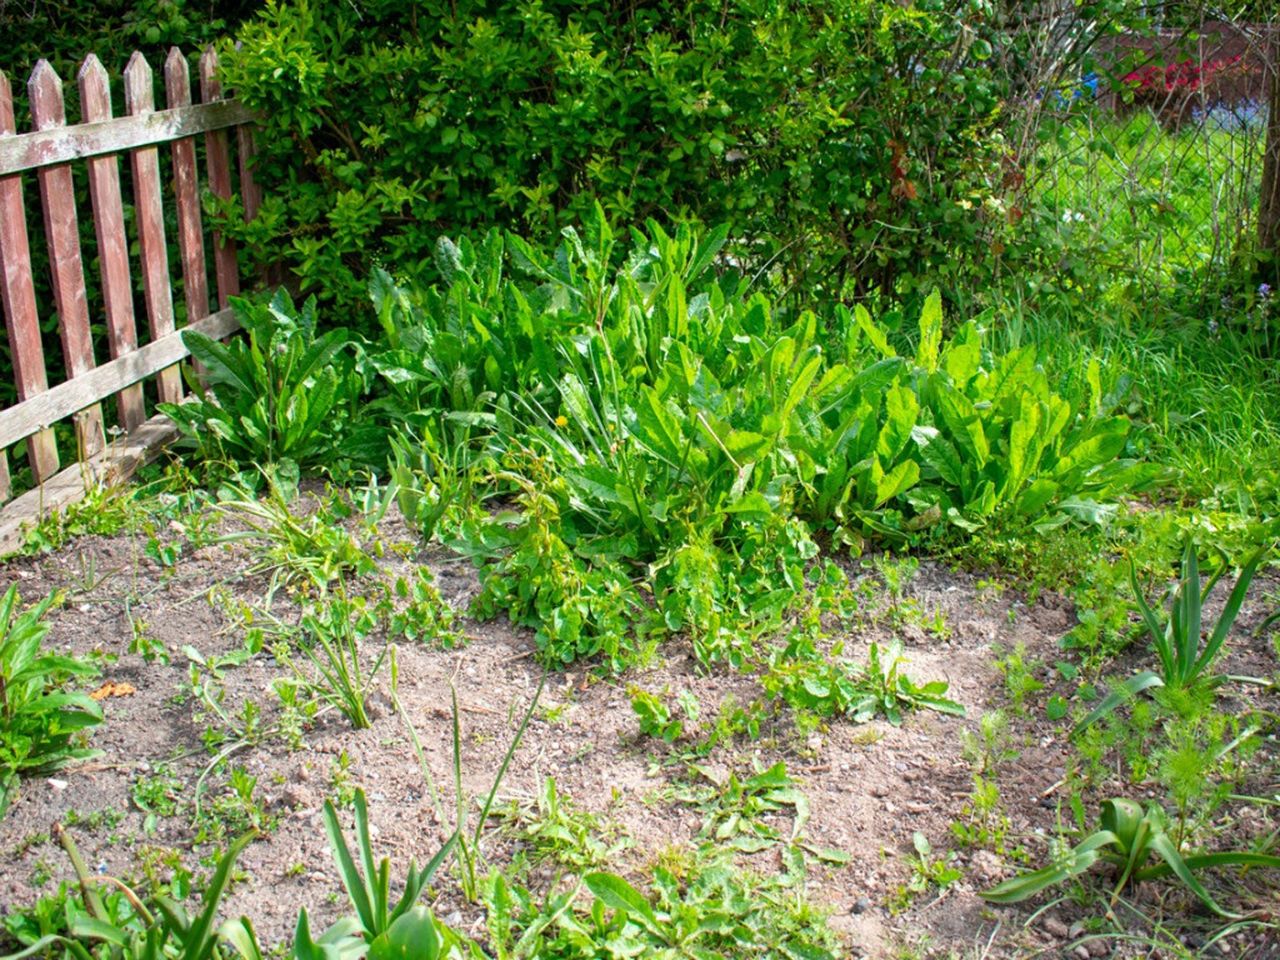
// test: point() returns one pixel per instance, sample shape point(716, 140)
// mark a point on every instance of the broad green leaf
point(656, 429)
point(897, 481)
point(746, 447)
point(1093, 375)
point(939, 454)
point(411, 937)
point(1012, 374)
point(901, 412)
point(708, 247)
point(1036, 497)
point(930, 332)
point(615, 893)
point(962, 357)
point(1076, 862)
point(1024, 442)
point(873, 332)
point(1104, 441)
point(959, 419)
point(800, 387)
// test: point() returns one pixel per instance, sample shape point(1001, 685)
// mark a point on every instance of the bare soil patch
point(870, 787)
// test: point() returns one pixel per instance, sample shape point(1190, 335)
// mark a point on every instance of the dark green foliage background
point(832, 137)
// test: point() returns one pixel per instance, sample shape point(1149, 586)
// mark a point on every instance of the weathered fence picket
point(139, 100)
point(22, 319)
point(195, 281)
point(48, 150)
point(226, 270)
point(62, 233)
point(113, 245)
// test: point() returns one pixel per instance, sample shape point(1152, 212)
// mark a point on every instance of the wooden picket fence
point(48, 150)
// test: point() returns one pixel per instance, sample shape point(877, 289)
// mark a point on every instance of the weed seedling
point(927, 872)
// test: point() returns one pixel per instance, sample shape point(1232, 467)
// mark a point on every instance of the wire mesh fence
point(1151, 165)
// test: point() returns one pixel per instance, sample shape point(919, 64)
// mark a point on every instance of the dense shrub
point(63, 33)
point(836, 139)
point(664, 423)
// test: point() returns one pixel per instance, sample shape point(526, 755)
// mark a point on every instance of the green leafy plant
point(1186, 655)
point(425, 616)
point(273, 396)
point(380, 929)
point(830, 686)
point(658, 718)
point(737, 811)
point(368, 885)
point(714, 133)
point(703, 908)
point(39, 721)
point(309, 551)
point(927, 871)
point(555, 830)
point(577, 609)
point(332, 637)
point(664, 427)
point(1127, 839)
point(239, 807)
point(114, 918)
point(131, 930)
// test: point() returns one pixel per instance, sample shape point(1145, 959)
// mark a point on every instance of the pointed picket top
point(95, 89)
point(139, 91)
point(210, 85)
point(6, 105)
point(45, 92)
point(177, 79)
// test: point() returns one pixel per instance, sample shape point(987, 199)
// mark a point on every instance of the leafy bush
point(272, 397)
point(660, 422)
point(990, 439)
point(38, 720)
point(818, 132)
point(577, 610)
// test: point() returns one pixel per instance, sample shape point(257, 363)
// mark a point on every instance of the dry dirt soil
point(870, 787)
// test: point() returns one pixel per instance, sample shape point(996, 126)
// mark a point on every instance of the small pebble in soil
point(861, 905)
point(1083, 952)
point(1055, 927)
point(297, 797)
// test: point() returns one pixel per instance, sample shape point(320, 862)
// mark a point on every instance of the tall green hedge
point(839, 139)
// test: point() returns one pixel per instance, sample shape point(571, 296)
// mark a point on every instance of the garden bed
point(871, 788)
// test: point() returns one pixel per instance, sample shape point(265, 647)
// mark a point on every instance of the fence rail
point(48, 151)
